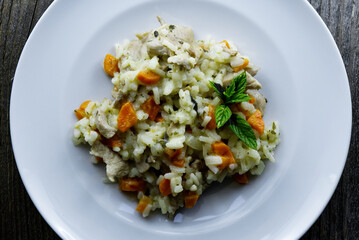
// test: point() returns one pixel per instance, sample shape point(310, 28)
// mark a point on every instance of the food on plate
point(185, 114)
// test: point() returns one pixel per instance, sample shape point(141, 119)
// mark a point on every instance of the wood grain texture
point(19, 217)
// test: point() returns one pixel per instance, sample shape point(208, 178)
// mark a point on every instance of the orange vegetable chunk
point(252, 100)
point(240, 178)
point(80, 112)
point(110, 65)
point(148, 77)
point(240, 67)
point(211, 125)
point(165, 187)
point(173, 156)
point(222, 150)
point(159, 118)
point(113, 142)
point(190, 199)
point(151, 108)
point(143, 203)
point(132, 185)
point(256, 122)
point(127, 117)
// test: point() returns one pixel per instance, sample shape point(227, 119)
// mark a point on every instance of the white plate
point(303, 77)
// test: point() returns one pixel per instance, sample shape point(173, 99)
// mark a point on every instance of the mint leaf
point(218, 89)
point(222, 115)
point(240, 82)
point(230, 90)
point(243, 131)
point(238, 97)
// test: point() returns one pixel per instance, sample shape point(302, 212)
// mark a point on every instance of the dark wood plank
point(340, 219)
point(20, 219)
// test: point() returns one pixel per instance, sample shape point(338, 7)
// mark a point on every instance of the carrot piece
point(143, 203)
point(222, 150)
point(240, 178)
point(227, 44)
point(148, 77)
point(211, 125)
point(132, 185)
point(252, 100)
point(178, 162)
point(189, 129)
point(80, 112)
point(151, 108)
point(240, 67)
point(165, 187)
point(190, 199)
point(173, 156)
point(99, 159)
point(127, 117)
point(110, 65)
point(159, 118)
point(113, 142)
point(256, 122)
point(172, 153)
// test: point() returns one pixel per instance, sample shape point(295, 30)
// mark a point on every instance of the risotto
point(185, 113)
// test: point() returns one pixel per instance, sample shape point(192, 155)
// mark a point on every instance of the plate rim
point(55, 225)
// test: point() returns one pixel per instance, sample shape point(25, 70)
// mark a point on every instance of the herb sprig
point(234, 93)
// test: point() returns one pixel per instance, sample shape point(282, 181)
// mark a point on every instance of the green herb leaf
point(219, 89)
point(238, 97)
point(230, 90)
point(240, 82)
point(222, 115)
point(243, 130)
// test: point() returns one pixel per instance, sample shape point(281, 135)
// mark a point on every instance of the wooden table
point(19, 217)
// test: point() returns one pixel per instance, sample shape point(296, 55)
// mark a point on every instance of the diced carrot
point(240, 178)
point(151, 108)
point(252, 100)
point(172, 153)
point(143, 203)
point(132, 184)
point(190, 199)
point(159, 118)
point(99, 159)
point(110, 64)
point(178, 162)
point(127, 117)
point(173, 156)
point(227, 44)
point(188, 129)
point(256, 122)
point(211, 125)
point(148, 77)
point(113, 142)
point(240, 67)
point(165, 187)
point(222, 150)
point(80, 112)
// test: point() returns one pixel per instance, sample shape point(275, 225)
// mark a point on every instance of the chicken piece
point(252, 70)
point(260, 101)
point(155, 47)
point(135, 49)
point(115, 166)
point(168, 40)
point(252, 83)
point(102, 125)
